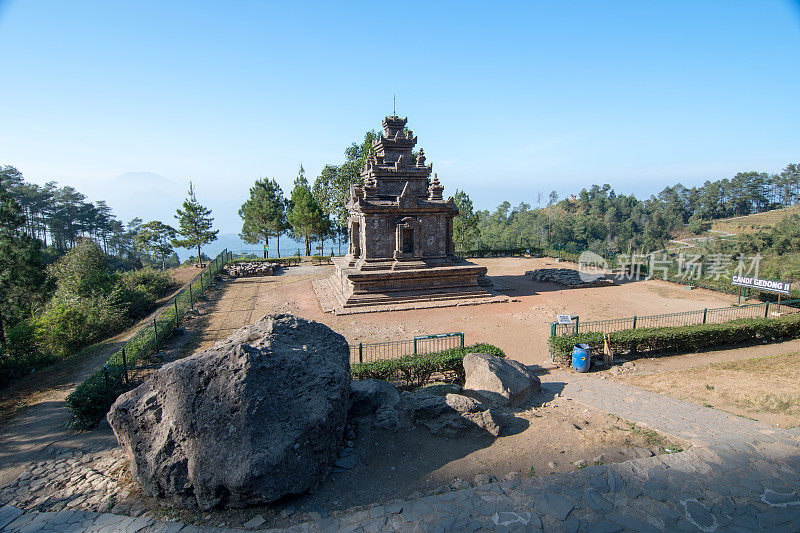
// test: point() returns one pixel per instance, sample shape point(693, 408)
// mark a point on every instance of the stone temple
point(401, 236)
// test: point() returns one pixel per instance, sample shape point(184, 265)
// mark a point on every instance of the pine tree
point(264, 214)
point(155, 239)
point(465, 225)
point(194, 225)
point(21, 271)
point(305, 215)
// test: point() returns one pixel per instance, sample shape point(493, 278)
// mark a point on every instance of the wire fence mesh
point(120, 371)
point(425, 344)
point(687, 318)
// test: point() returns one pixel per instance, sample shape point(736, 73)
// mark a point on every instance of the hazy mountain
point(143, 180)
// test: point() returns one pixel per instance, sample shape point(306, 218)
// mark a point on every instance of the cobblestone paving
point(738, 475)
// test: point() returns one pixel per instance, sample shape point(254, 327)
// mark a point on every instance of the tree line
point(596, 218)
point(313, 212)
point(600, 220)
point(71, 273)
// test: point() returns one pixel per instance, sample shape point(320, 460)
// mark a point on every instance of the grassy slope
point(753, 223)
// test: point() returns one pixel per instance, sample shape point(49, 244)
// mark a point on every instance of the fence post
point(766, 310)
point(553, 329)
point(125, 366)
point(415, 346)
point(191, 297)
point(175, 300)
point(462, 339)
point(360, 352)
point(634, 321)
point(108, 390)
point(577, 322)
point(705, 315)
point(155, 333)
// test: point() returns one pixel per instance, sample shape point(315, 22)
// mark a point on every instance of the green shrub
point(83, 271)
point(319, 259)
point(21, 355)
point(70, 324)
point(682, 339)
point(91, 400)
point(417, 369)
point(138, 291)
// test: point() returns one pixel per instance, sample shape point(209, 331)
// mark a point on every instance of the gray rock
point(452, 415)
point(554, 505)
point(597, 502)
point(501, 381)
point(258, 416)
point(246, 270)
point(346, 462)
point(386, 418)
point(367, 396)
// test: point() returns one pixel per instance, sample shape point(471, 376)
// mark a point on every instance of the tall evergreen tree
point(264, 214)
point(305, 215)
point(465, 225)
point(21, 271)
point(194, 225)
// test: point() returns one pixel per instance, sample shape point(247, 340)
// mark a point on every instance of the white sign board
point(769, 285)
point(564, 319)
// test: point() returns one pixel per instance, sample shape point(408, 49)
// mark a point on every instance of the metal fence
point(424, 344)
point(687, 318)
point(115, 376)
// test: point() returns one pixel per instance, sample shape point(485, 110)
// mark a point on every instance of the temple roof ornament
point(435, 190)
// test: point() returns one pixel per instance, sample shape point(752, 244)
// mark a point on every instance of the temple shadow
point(517, 285)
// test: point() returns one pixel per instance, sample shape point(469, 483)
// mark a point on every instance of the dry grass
point(762, 388)
point(752, 223)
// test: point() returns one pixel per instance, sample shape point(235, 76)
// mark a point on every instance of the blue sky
point(508, 99)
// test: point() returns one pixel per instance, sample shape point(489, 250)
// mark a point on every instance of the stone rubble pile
point(567, 277)
point(492, 384)
point(248, 270)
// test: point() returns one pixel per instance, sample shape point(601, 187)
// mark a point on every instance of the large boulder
point(501, 381)
point(258, 416)
point(449, 415)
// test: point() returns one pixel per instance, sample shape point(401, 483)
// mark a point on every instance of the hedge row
point(416, 370)
point(682, 339)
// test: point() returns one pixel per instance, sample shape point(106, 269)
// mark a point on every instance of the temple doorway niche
point(408, 241)
point(355, 239)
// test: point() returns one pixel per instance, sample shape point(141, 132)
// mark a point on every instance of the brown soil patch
point(763, 388)
point(520, 327)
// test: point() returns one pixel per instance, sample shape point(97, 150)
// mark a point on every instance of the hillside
point(755, 222)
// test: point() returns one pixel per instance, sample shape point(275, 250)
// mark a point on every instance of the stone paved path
point(738, 475)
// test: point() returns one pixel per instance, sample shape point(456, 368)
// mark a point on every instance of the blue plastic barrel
point(581, 357)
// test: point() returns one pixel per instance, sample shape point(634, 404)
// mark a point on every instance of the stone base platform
point(332, 300)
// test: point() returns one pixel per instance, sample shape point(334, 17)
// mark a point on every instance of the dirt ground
point(547, 434)
point(757, 382)
point(520, 327)
point(550, 434)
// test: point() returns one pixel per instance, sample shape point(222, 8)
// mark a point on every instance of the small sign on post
point(564, 319)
